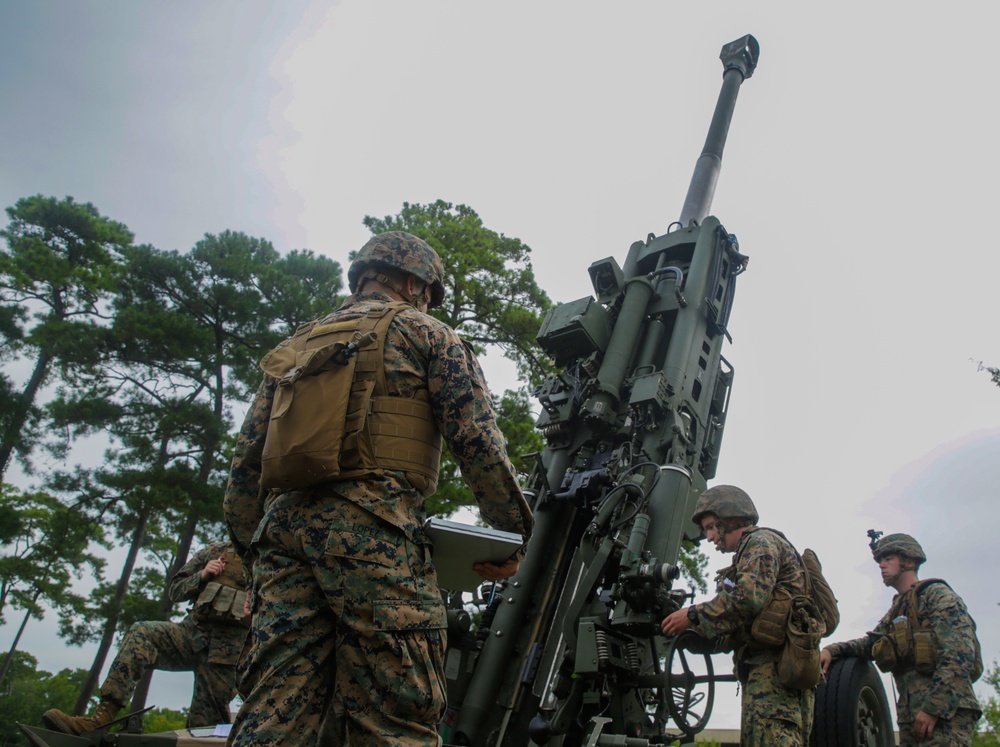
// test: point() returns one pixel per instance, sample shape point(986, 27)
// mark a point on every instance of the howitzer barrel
point(739, 58)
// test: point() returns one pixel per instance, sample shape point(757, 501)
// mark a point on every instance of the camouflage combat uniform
point(947, 692)
point(772, 715)
point(349, 623)
point(205, 642)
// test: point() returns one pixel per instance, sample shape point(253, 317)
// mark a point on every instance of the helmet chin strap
point(416, 300)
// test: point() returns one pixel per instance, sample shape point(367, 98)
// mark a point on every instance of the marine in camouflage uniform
point(348, 640)
point(772, 714)
point(944, 694)
point(208, 642)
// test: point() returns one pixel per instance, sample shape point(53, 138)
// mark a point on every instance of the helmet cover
point(726, 502)
point(899, 544)
point(402, 251)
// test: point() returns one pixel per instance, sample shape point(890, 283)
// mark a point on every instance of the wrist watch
point(693, 614)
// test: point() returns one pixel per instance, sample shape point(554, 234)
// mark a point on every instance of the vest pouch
point(309, 412)
point(884, 654)
point(222, 604)
point(203, 604)
point(924, 651)
point(902, 636)
point(798, 664)
point(223, 601)
point(769, 628)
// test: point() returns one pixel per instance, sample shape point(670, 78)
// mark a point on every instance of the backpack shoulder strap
point(913, 595)
point(377, 321)
point(794, 549)
point(805, 570)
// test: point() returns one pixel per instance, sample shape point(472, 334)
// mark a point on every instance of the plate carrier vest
point(332, 419)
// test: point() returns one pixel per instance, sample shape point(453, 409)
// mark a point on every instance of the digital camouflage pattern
point(947, 692)
point(899, 544)
point(211, 650)
point(344, 603)
point(726, 502)
point(764, 562)
point(771, 715)
point(344, 599)
point(405, 252)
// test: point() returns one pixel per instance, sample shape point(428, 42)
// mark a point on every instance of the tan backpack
point(330, 417)
point(818, 589)
point(770, 626)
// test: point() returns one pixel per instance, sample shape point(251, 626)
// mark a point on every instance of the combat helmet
point(405, 252)
point(726, 502)
point(899, 544)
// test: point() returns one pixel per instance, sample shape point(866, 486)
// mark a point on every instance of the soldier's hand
point(494, 572)
point(213, 568)
point(248, 603)
point(923, 725)
point(676, 622)
point(825, 660)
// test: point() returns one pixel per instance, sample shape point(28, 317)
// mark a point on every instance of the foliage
point(187, 332)
point(693, 563)
point(11, 319)
point(989, 736)
point(156, 720)
point(43, 545)
point(491, 296)
point(57, 274)
point(28, 692)
point(994, 375)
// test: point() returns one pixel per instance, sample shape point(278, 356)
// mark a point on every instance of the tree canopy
point(28, 692)
point(43, 546)
point(58, 272)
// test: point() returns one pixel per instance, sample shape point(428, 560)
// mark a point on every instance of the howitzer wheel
point(851, 708)
point(689, 696)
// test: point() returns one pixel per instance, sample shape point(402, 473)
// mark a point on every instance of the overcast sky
point(858, 176)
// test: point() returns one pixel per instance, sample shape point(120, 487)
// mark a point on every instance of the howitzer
point(569, 650)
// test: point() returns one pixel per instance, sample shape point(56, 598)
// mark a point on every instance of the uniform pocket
point(403, 615)
point(410, 668)
point(412, 659)
point(374, 548)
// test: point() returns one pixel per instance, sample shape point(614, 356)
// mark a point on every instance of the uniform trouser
point(772, 715)
point(174, 647)
point(958, 731)
point(347, 641)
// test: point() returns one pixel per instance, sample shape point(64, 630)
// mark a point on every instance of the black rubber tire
point(851, 708)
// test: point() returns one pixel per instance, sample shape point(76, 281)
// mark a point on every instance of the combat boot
point(105, 713)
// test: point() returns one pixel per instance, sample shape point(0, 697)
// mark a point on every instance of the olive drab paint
point(633, 425)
